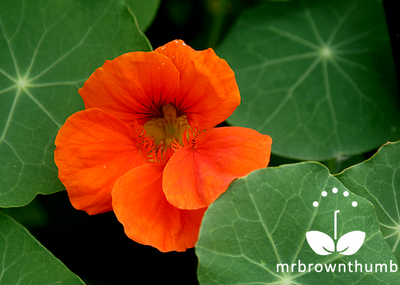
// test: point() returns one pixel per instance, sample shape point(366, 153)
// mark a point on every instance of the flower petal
point(140, 205)
point(197, 174)
point(133, 86)
point(93, 150)
point(208, 90)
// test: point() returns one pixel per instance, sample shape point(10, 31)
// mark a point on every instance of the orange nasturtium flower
point(146, 147)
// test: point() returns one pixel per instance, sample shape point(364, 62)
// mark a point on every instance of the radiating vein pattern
point(47, 51)
point(255, 233)
point(309, 77)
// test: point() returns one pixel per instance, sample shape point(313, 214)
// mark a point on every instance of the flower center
point(167, 129)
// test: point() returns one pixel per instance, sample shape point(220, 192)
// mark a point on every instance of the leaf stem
point(331, 164)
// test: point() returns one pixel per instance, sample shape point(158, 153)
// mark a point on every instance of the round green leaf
point(47, 50)
point(317, 76)
point(378, 180)
point(25, 261)
point(256, 231)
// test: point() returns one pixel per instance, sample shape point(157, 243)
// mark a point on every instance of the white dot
point(325, 52)
point(315, 204)
point(324, 193)
point(346, 193)
point(334, 190)
point(21, 82)
point(354, 204)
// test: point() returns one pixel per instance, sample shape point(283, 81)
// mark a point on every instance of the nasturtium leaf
point(25, 261)
point(256, 231)
point(317, 76)
point(378, 180)
point(145, 11)
point(47, 50)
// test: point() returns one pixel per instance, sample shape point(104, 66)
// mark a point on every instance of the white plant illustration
point(323, 244)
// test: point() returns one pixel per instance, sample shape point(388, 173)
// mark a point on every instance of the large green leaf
point(47, 50)
point(25, 261)
point(378, 180)
point(145, 11)
point(317, 76)
point(262, 221)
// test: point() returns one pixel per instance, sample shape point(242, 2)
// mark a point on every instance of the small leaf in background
point(47, 50)
point(256, 231)
point(317, 76)
point(24, 261)
point(378, 180)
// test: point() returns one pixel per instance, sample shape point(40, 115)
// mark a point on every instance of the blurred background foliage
point(112, 258)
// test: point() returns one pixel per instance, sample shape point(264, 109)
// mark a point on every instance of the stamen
point(144, 142)
point(189, 138)
point(163, 155)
